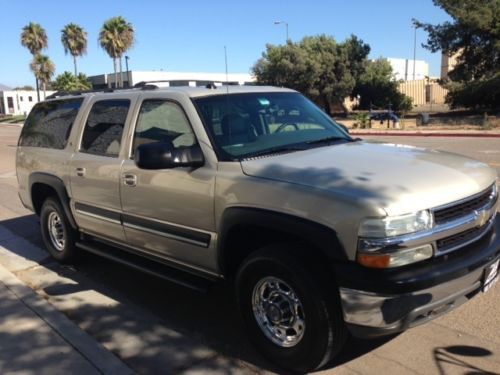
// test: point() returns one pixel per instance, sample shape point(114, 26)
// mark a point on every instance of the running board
point(146, 265)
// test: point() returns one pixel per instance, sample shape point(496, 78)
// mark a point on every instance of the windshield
point(246, 125)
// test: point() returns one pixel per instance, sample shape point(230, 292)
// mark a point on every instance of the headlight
point(380, 247)
point(391, 226)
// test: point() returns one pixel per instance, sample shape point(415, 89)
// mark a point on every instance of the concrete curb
point(103, 360)
point(19, 124)
point(425, 134)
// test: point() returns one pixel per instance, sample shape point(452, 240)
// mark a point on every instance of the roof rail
point(150, 85)
point(60, 93)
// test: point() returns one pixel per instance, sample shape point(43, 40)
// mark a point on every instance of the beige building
point(424, 91)
point(448, 63)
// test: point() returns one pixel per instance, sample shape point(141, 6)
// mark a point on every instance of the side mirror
point(163, 155)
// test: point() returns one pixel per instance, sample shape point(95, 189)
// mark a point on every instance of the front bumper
point(382, 302)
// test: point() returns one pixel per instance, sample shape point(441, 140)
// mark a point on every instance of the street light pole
point(128, 71)
point(286, 26)
point(414, 49)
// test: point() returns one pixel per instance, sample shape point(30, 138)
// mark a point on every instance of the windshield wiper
point(329, 139)
point(275, 150)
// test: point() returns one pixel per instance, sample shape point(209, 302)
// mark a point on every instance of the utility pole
point(286, 25)
point(128, 71)
point(414, 49)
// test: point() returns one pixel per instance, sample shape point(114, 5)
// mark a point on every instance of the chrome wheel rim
point(278, 312)
point(56, 231)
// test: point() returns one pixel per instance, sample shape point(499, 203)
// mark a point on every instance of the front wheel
point(291, 311)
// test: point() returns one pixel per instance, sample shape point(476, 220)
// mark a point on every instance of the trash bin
point(424, 118)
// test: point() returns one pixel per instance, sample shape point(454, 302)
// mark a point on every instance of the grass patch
point(13, 119)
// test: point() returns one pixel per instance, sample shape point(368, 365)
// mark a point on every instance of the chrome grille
point(452, 212)
point(461, 239)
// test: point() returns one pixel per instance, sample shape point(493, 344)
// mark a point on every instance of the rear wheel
point(58, 235)
point(290, 309)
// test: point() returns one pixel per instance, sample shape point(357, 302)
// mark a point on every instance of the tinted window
point(245, 125)
point(49, 124)
point(163, 121)
point(104, 127)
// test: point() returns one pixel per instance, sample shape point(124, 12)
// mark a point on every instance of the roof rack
point(60, 93)
point(150, 85)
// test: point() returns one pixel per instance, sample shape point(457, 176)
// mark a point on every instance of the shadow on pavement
point(449, 355)
point(156, 324)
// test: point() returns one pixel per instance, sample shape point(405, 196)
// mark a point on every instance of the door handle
point(80, 172)
point(130, 179)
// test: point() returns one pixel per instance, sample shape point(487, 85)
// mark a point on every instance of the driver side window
point(162, 121)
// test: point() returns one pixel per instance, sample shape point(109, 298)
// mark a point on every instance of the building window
point(30, 98)
point(21, 98)
point(10, 104)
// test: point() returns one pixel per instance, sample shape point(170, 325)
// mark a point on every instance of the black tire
point(324, 334)
point(64, 252)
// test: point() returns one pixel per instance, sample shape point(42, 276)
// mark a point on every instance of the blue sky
point(191, 35)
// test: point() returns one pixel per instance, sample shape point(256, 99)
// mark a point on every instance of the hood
point(397, 178)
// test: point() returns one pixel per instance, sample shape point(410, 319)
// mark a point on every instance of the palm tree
point(34, 38)
point(44, 69)
point(74, 41)
point(116, 37)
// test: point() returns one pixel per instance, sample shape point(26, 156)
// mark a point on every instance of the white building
point(18, 102)
point(170, 78)
point(403, 69)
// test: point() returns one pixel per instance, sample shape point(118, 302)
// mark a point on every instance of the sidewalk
point(36, 338)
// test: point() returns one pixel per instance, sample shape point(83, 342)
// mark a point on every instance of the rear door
point(95, 169)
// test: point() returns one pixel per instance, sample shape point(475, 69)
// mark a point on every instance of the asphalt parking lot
point(158, 327)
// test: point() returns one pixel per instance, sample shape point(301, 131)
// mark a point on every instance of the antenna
point(227, 79)
point(227, 91)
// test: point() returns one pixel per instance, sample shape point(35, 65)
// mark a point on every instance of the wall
point(423, 92)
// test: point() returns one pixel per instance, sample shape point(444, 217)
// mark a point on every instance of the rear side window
point(49, 124)
point(104, 128)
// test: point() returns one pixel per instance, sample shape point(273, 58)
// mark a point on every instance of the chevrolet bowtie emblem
point(481, 217)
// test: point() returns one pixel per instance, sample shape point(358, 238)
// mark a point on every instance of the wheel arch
point(43, 185)
point(245, 230)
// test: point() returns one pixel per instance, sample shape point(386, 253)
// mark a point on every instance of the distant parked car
point(382, 116)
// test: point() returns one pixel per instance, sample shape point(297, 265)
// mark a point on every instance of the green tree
point(44, 69)
point(69, 82)
point(473, 34)
point(319, 67)
point(286, 66)
point(34, 38)
point(74, 41)
point(376, 86)
point(116, 37)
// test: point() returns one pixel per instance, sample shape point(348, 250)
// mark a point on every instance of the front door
point(169, 212)
point(95, 170)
